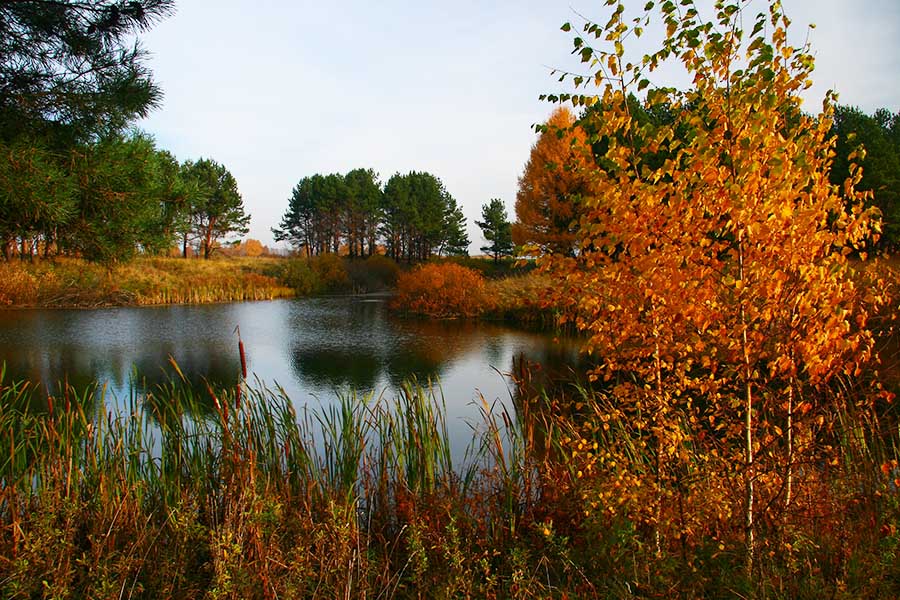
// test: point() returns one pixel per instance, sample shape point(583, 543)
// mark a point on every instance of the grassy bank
point(143, 281)
point(74, 283)
point(252, 500)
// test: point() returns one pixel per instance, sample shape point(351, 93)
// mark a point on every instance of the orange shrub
point(441, 290)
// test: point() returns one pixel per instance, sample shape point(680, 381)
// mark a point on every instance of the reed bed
point(219, 494)
point(67, 282)
point(167, 498)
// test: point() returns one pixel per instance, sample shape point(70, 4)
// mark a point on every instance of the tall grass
point(164, 498)
point(167, 497)
point(68, 282)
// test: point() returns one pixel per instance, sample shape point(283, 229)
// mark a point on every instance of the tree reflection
point(336, 368)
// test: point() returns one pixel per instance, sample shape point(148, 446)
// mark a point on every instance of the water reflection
point(311, 348)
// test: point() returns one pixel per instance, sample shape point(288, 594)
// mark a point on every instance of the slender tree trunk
point(26, 249)
point(788, 494)
point(748, 420)
point(660, 399)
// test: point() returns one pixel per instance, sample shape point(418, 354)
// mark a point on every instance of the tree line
point(555, 181)
point(112, 198)
point(74, 179)
point(412, 216)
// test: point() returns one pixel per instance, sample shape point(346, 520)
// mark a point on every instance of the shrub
point(521, 298)
point(441, 290)
point(374, 274)
point(298, 275)
point(316, 275)
point(489, 269)
point(331, 271)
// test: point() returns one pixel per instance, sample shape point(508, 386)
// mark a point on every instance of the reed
point(186, 493)
point(66, 282)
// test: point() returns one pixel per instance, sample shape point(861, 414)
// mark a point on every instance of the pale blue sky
point(278, 90)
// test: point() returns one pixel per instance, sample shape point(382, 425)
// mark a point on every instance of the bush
point(441, 290)
point(316, 275)
point(374, 274)
point(297, 274)
point(332, 272)
point(521, 298)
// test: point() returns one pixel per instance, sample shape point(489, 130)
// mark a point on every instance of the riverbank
point(496, 292)
point(75, 283)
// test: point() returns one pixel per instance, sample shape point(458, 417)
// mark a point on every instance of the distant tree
point(456, 239)
point(396, 213)
point(548, 203)
point(175, 192)
point(219, 208)
point(37, 196)
point(326, 211)
point(879, 136)
point(121, 199)
point(496, 228)
point(414, 215)
point(297, 224)
point(331, 198)
point(420, 218)
point(249, 247)
point(73, 68)
point(363, 211)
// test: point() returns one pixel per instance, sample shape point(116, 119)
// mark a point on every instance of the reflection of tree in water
point(64, 376)
point(545, 384)
point(210, 365)
point(425, 347)
point(361, 348)
point(336, 368)
point(549, 369)
point(405, 364)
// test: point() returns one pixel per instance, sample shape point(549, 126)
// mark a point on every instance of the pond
point(313, 348)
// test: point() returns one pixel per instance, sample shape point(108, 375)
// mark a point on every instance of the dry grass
point(145, 281)
point(252, 500)
point(520, 298)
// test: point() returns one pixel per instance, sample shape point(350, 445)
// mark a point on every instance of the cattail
point(243, 357)
point(237, 329)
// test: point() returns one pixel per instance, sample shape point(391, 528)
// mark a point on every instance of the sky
point(280, 90)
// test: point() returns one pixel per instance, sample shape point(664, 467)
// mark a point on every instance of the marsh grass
point(165, 498)
point(187, 494)
point(67, 282)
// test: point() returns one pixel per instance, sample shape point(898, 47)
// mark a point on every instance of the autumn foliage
point(443, 290)
point(553, 186)
point(714, 285)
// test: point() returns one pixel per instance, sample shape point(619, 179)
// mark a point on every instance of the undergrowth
point(169, 498)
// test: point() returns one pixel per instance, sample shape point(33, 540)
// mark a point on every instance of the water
point(313, 348)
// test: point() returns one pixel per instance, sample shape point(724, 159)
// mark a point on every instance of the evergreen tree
point(879, 136)
point(72, 69)
point(219, 209)
point(123, 200)
point(456, 239)
point(364, 199)
point(496, 228)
